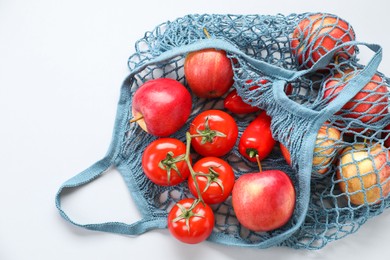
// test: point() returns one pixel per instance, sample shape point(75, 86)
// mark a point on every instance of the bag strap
point(221, 44)
point(111, 159)
point(350, 90)
point(90, 174)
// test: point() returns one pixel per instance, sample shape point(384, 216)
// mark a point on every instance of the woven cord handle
point(350, 90)
point(97, 169)
point(89, 175)
point(221, 44)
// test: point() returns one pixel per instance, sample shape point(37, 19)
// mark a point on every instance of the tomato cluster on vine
point(167, 161)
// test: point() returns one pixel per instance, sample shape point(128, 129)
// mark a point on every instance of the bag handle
point(353, 86)
point(222, 44)
point(90, 174)
point(111, 159)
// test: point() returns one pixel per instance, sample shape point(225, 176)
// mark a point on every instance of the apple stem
point(206, 33)
point(259, 163)
point(136, 119)
point(336, 60)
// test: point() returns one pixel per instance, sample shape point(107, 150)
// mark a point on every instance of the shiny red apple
point(263, 201)
point(161, 106)
point(208, 72)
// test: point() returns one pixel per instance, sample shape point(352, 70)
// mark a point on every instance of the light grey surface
point(61, 67)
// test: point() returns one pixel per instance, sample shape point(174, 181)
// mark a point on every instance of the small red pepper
point(234, 103)
point(257, 138)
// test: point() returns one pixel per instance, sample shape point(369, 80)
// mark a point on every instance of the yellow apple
point(363, 173)
point(326, 148)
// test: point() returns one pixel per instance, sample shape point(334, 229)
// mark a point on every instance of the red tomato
point(215, 179)
point(257, 138)
point(190, 221)
point(214, 133)
point(163, 161)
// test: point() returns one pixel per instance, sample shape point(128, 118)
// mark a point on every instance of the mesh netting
point(348, 178)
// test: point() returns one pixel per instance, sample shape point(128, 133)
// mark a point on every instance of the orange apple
point(363, 173)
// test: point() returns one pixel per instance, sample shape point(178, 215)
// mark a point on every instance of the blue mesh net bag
point(333, 124)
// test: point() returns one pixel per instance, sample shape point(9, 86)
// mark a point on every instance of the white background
point(61, 67)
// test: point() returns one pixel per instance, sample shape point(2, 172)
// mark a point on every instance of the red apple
point(263, 201)
point(369, 105)
point(208, 72)
point(319, 33)
point(363, 173)
point(161, 106)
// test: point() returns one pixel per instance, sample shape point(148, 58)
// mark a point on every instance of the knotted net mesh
point(349, 178)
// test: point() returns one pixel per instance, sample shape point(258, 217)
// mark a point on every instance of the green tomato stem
point(192, 172)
